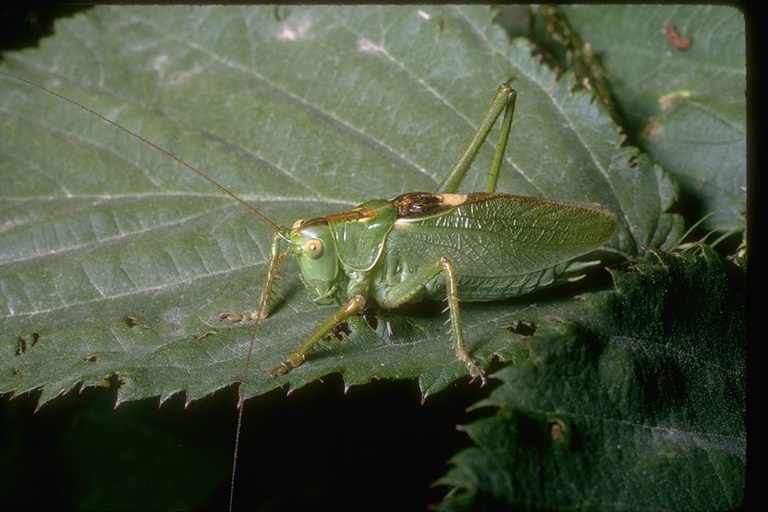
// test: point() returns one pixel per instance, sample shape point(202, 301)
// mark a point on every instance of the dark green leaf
point(638, 405)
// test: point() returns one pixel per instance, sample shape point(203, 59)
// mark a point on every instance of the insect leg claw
point(289, 364)
point(476, 372)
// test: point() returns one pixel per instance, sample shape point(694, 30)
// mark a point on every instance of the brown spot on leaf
point(676, 40)
point(651, 131)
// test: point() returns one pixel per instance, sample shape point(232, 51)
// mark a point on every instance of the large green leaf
point(115, 260)
point(640, 404)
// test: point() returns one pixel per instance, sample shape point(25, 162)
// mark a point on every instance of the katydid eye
point(314, 248)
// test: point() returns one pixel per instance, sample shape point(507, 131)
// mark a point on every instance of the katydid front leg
point(265, 302)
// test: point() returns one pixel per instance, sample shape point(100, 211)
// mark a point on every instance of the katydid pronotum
point(441, 245)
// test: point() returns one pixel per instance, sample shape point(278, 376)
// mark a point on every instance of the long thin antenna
point(150, 144)
point(247, 370)
point(240, 417)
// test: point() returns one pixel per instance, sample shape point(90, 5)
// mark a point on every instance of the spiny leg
point(503, 101)
point(404, 291)
point(452, 292)
point(297, 358)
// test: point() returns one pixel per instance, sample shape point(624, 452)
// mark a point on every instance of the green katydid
point(442, 245)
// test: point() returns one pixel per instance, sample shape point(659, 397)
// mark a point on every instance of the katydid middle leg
point(402, 292)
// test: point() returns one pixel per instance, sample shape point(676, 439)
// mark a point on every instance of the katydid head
point(312, 243)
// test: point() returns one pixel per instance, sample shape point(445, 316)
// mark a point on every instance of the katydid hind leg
point(501, 144)
point(503, 102)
